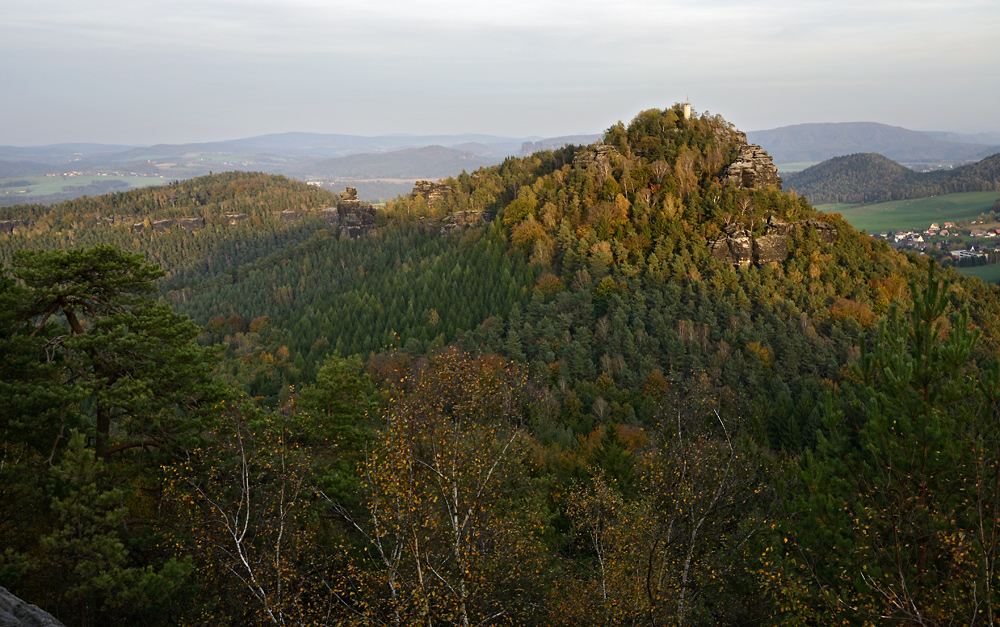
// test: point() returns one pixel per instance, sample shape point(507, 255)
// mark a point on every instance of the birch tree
point(444, 541)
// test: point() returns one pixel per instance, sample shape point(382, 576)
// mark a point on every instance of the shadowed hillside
point(629, 383)
point(866, 178)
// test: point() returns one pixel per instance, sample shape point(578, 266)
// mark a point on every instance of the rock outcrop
point(598, 153)
point(430, 191)
point(742, 248)
point(736, 247)
point(356, 217)
point(9, 226)
point(465, 219)
point(190, 224)
point(753, 168)
point(329, 216)
point(17, 613)
point(234, 218)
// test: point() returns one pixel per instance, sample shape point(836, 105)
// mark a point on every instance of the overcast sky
point(172, 71)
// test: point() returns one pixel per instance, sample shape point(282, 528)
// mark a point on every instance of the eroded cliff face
point(11, 226)
point(356, 217)
point(753, 168)
point(430, 191)
point(232, 219)
point(465, 220)
point(742, 248)
point(594, 155)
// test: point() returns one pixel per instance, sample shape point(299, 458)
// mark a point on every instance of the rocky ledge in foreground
point(17, 613)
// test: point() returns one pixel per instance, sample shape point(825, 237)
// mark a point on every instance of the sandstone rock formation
point(8, 226)
point(234, 218)
point(753, 169)
point(329, 216)
point(598, 153)
point(430, 191)
point(356, 217)
point(465, 219)
point(191, 224)
point(742, 248)
point(736, 247)
point(17, 613)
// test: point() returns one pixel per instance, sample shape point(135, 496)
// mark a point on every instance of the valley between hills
point(618, 382)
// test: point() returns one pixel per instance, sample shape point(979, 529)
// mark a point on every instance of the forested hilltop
point(870, 178)
point(193, 229)
point(628, 383)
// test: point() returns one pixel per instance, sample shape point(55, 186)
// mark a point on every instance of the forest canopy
point(563, 408)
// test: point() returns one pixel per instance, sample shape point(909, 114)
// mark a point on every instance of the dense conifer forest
point(568, 411)
point(872, 178)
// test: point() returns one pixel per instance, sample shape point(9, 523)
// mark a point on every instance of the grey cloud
point(530, 66)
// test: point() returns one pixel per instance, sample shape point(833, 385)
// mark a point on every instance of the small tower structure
point(687, 110)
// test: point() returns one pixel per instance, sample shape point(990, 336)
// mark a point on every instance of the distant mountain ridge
point(819, 142)
point(869, 178)
point(56, 154)
point(319, 145)
point(408, 163)
point(336, 159)
point(987, 139)
point(331, 159)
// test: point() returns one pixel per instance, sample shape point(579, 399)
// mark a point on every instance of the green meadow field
point(916, 213)
point(989, 274)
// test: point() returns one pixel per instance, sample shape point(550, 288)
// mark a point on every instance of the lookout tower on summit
point(687, 110)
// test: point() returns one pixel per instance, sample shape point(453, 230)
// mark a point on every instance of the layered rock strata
point(753, 168)
point(356, 217)
point(465, 219)
point(329, 216)
point(234, 218)
point(598, 153)
point(430, 191)
point(742, 248)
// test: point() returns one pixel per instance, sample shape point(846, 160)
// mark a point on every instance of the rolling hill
point(640, 356)
point(430, 162)
point(866, 178)
point(334, 159)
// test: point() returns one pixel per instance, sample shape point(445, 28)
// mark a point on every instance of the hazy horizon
point(214, 70)
point(405, 135)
